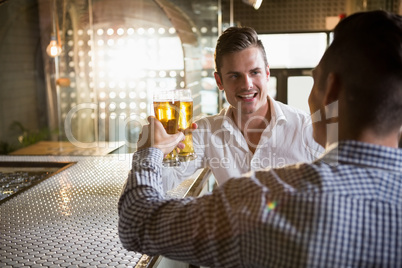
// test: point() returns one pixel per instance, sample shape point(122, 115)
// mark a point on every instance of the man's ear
point(218, 80)
point(332, 89)
point(267, 72)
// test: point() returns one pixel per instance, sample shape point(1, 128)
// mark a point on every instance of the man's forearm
point(143, 185)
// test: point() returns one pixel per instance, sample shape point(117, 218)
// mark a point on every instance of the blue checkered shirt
point(343, 210)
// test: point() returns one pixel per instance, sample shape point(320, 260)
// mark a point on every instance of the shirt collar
point(364, 154)
point(277, 115)
point(227, 119)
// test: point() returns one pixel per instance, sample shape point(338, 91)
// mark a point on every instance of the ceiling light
point(53, 49)
point(255, 3)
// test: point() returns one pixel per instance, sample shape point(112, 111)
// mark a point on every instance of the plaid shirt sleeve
point(223, 229)
point(149, 224)
point(343, 210)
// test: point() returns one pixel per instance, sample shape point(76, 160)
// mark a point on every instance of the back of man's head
point(366, 53)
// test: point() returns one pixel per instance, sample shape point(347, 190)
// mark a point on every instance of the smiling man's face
point(244, 78)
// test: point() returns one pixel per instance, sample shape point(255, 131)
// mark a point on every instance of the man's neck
point(253, 121)
point(369, 136)
point(252, 125)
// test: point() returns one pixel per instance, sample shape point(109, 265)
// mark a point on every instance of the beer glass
point(167, 108)
point(185, 121)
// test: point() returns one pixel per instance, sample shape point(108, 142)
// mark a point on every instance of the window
point(302, 50)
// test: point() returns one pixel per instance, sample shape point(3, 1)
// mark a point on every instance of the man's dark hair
point(366, 53)
point(235, 39)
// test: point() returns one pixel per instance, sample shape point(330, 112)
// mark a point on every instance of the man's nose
point(247, 82)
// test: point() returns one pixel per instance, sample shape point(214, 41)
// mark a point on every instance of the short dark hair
point(236, 39)
point(366, 53)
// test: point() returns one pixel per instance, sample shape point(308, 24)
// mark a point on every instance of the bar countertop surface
point(69, 219)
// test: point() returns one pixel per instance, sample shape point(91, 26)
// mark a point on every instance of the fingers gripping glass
point(167, 111)
point(174, 108)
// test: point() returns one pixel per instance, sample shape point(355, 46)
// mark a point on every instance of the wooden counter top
point(67, 148)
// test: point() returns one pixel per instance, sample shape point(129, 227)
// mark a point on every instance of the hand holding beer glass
point(167, 111)
point(174, 109)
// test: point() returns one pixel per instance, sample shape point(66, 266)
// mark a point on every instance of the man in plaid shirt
point(343, 210)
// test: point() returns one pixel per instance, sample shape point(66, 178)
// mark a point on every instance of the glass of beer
point(167, 110)
point(185, 121)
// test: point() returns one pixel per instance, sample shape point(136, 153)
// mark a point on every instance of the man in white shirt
point(255, 131)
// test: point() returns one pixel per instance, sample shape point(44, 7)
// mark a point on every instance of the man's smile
point(247, 96)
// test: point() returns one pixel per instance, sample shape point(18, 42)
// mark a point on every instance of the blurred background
point(84, 71)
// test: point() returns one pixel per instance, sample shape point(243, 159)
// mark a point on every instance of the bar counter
point(70, 219)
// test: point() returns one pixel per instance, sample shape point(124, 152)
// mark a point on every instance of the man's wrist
point(143, 156)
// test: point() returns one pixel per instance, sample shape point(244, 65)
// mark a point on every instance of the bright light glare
point(110, 31)
point(127, 61)
point(130, 61)
point(53, 49)
point(120, 31)
point(294, 50)
point(130, 31)
point(257, 4)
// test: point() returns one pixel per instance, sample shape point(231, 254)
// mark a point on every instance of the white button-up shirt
point(220, 145)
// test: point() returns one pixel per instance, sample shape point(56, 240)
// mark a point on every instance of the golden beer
point(185, 121)
point(168, 113)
